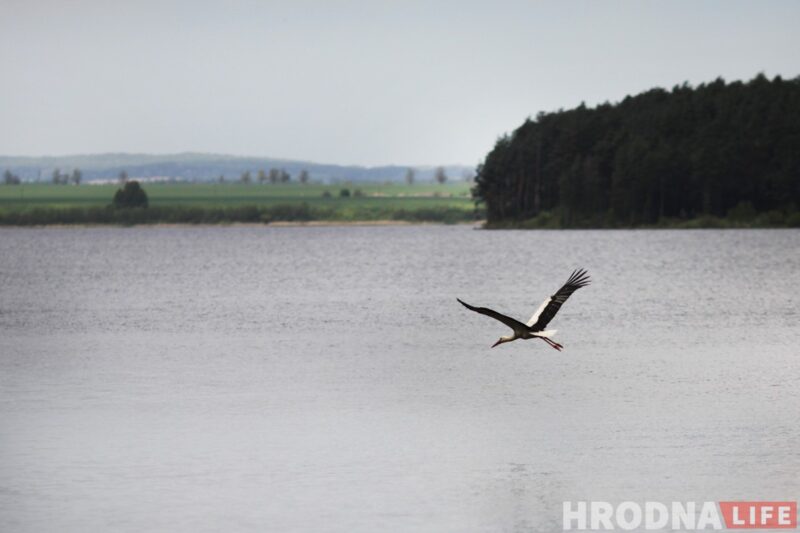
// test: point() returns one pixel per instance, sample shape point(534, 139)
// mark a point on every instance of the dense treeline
point(661, 157)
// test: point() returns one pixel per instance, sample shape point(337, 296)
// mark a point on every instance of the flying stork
point(535, 326)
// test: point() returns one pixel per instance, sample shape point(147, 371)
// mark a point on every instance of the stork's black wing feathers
point(507, 320)
point(578, 279)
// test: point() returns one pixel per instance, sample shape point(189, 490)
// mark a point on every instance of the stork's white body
point(527, 334)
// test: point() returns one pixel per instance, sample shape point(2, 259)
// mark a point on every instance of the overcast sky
point(365, 82)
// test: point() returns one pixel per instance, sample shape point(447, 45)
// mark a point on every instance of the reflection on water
point(326, 379)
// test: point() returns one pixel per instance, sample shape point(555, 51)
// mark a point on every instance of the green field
point(216, 195)
point(212, 203)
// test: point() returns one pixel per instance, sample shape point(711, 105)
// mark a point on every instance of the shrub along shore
point(743, 216)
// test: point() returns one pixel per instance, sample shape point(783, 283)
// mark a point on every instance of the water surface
point(326, 379)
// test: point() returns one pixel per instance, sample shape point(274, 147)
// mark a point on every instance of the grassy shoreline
point(249, 214)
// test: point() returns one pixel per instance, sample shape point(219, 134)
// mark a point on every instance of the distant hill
point(207, 167)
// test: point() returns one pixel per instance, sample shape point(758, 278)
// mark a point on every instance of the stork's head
point(501, 340)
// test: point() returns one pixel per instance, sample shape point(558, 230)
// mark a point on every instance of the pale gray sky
point(366, 82)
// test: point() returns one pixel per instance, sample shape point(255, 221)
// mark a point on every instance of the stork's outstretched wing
point(550, 307)
point(516, 325)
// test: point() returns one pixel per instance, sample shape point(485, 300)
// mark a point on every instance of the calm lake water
point(325, 379)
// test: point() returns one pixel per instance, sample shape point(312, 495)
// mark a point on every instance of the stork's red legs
point(553, 344)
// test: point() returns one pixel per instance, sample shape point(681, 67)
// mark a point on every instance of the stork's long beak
point(498, 342)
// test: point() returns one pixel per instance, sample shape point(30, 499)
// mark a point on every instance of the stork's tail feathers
point(546, 334)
